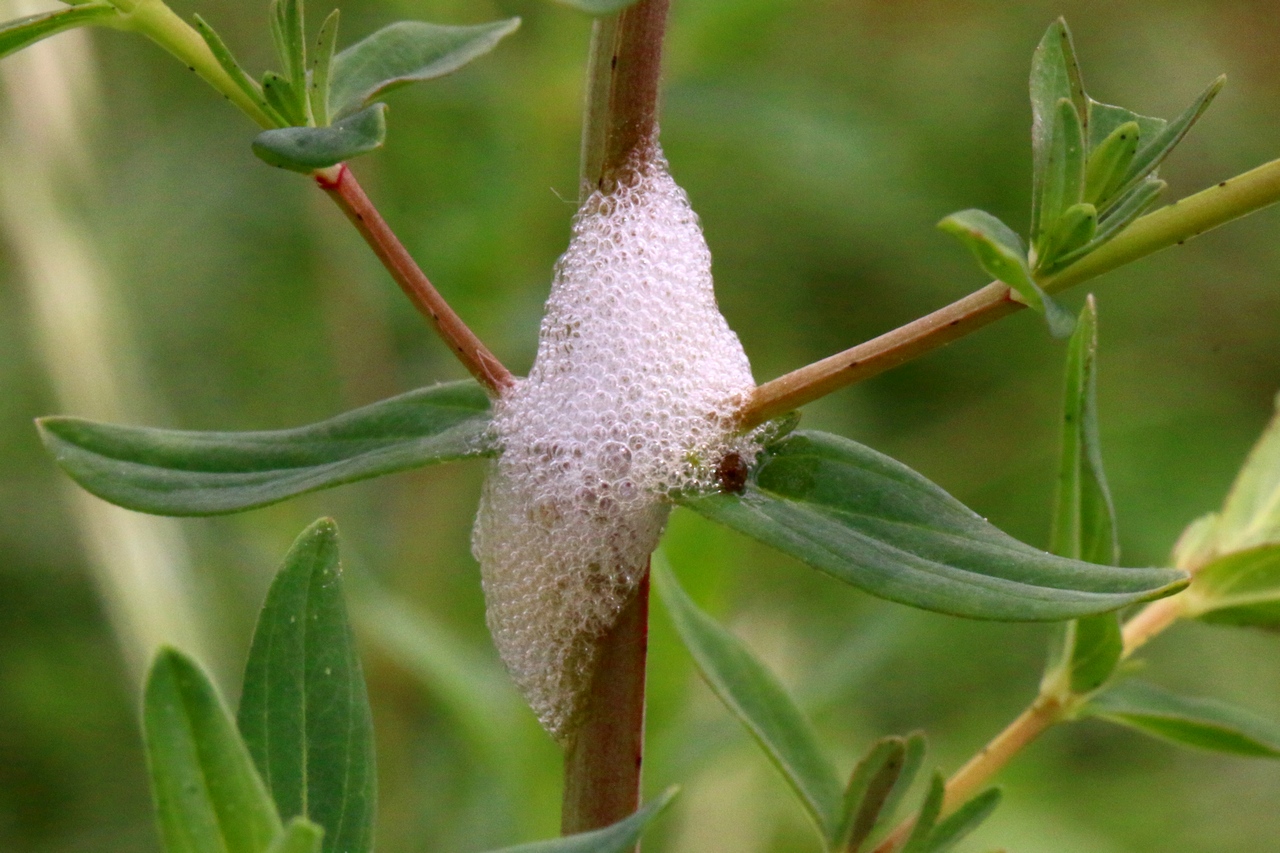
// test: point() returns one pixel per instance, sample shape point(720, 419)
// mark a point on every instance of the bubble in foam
point(630, 399)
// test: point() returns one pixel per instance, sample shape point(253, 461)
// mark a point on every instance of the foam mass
point(630, 399)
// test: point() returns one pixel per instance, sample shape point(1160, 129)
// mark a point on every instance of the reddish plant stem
point(602, 759)
point(347, 193)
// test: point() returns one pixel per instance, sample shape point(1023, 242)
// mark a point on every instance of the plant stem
point(347, 193)
point(162, 25)
point(1171, 225)
point(620, 124)
point(620, 127)
point(602, 760)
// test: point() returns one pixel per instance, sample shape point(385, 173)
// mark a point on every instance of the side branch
point(347, 193)
point(1168, 226)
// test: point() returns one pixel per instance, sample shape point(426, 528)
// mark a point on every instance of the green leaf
point(1001, 254)
point(305, 149)
point(223, 54)
point(1157, 148)
point(927, 817)
point(1055, 75)
point(300, 836)
point(289, 34)
point(598, 7)
point(22, 32)
point(1109, 161)
point(872, 522)
point(304, 712)
point(1203, 723)
point(1062, 181)
point(760, 703)
point(321, 63)
point(1251, 514)
point(865, 796)
point(1074, 228)
point(621, 837)
point(1084, 517)
point(1242, 588)
point(172, 472)
point(912, 761)
point(963, 821)
point(1105, 119)
point(407, 52)
point(208, 797)
point(1127, 208)
point(283, 100)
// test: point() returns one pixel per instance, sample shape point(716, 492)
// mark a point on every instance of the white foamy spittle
point(630, 399)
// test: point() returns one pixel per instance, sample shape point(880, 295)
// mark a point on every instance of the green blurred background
point(820, 141)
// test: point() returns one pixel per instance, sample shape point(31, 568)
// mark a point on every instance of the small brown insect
point(731, 474)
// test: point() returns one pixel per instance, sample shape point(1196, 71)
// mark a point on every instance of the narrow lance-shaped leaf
point(1108, 164)
point(289, 33)
point(927, 817)
point(1055, 75)
point(1242, 588)
point(1129, 207)
point(23, 32)
point(223, 54)
point(321, 62)
point(865, 796)
point(304, 712)
point(1076, 227)
point(283, 100)
point(1157, 148)
point(759, 702)
point(598, 7)
point(953, 829)
point(621, 837)
point(871, 521)
point(173, 472)
point(407, 52)
point(300, 836)
point(1063, 176)
point(208, 796)
point(912, 762)
point(305, 149)
point(1001, 254)
point(1202, 723)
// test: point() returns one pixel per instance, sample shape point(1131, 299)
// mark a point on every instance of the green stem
point(1169, 226)
point(158, 22)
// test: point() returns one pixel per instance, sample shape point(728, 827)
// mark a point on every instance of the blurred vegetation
point(820, 141)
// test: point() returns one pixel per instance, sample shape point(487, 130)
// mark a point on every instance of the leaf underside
point(173, 472)
point(620, 837)
point(871, 521)
point(305, 149)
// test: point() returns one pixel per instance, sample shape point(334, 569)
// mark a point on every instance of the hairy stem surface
point(347, 193)
point(1168, 226)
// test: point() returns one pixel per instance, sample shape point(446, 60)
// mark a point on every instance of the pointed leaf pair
point(407, 52)
point(760, 703)
point(1202, 723)
point(305, 149)
point(1062, 182)
point(1055, 78)
point(172, 472)
point(621, 837)
point(1251, 514)
point(304, 712)
point(23, 32)
point(209, 798)
point(1002, 255)
point(871, 521)
point(929, 835)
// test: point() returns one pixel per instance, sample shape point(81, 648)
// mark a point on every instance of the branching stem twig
point(347, 193)
point(1168, 226)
